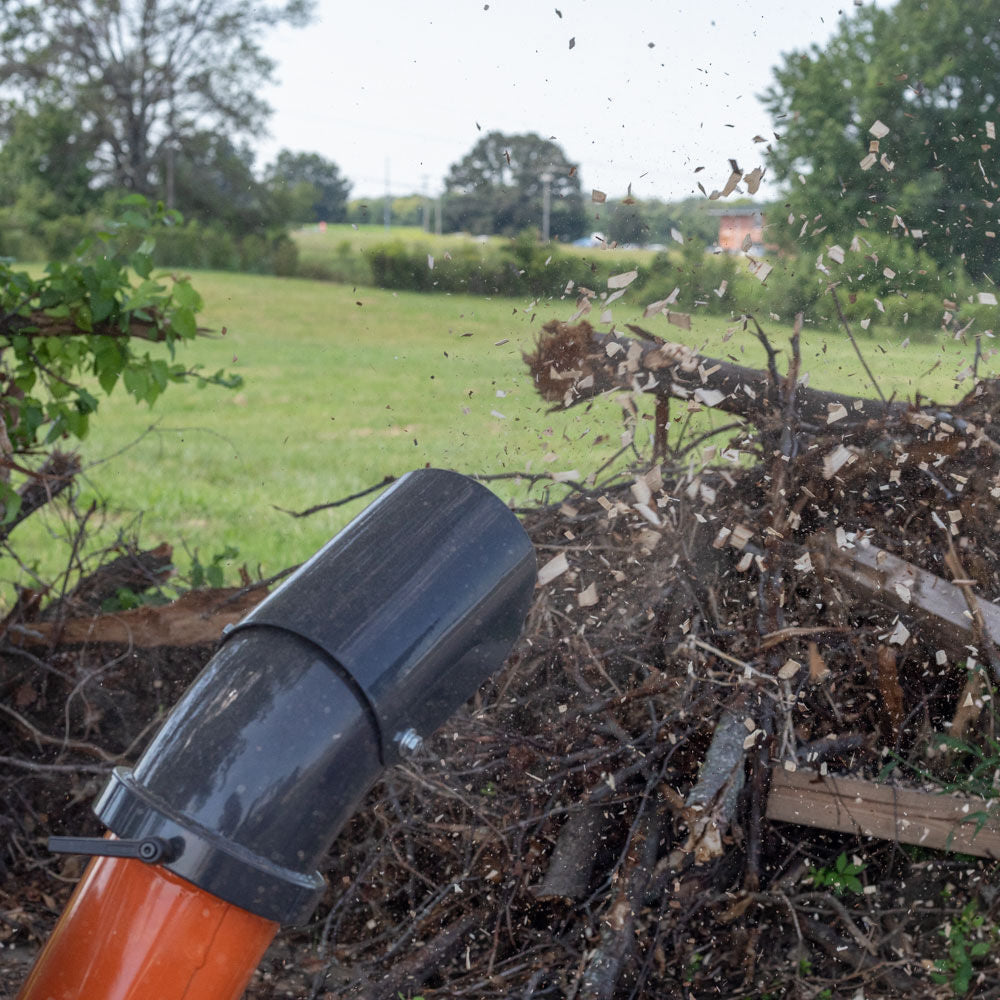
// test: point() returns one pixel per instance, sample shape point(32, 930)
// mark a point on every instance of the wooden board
point(935, 603)
point(871, 809)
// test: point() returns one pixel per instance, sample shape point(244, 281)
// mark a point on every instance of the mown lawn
point(343, 387)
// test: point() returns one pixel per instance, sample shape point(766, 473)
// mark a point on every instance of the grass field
point(346, 386)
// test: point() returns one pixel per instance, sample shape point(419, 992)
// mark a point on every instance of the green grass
point(344, 387)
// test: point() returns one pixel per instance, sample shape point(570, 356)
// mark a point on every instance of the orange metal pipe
point(134, 931)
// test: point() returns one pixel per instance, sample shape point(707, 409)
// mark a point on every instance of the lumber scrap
point(890, 812)
point(933, 602)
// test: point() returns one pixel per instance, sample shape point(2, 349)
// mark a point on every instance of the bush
point(210, 248)
point(395, 266)
point(523, 267)
point(88, 319)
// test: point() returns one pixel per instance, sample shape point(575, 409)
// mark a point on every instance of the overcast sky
point(649, 91)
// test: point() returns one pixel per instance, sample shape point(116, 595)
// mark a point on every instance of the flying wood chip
point(753, 179)
point(599, 197)
point(735, 176)
point(880, 130)
point(622, 280)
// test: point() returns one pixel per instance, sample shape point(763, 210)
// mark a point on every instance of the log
point(574, 363)
point(195, 619)
point(890, 812)
point(573, 857)
point(711, 804)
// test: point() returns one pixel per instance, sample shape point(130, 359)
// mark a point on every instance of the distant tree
point(311, 187)
point(930, 72)
point(627, 223)
point(214, 181)
point(690, 217)
point(141, 75)
point(498, 188)
point(45, 161)
point(406, 210)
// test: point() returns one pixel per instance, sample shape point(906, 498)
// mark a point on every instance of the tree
point(311, 186)
point(627, 223)
point(930, 73)
point(141, 75)
point(44, 160)
point(498, 187)
point(214, 180)
point(78, 331)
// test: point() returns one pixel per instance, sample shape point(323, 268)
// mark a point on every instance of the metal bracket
point(149, 849)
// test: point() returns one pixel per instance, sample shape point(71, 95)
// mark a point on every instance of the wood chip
point(879, 130)
point(587, 597)
point(789, 669)
point(760, 269)
point(753, 179)
point(622, 280)
point(741, 534)
point(555, 567)
point(818, 670)
point(598, 197)
point(837, 459)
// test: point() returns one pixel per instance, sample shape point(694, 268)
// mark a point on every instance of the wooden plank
point(871, 809)
point(933, 601)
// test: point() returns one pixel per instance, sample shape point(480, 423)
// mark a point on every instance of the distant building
point(736, 224)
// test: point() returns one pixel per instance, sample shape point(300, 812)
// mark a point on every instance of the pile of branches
point(596, 825)
point(771, 605)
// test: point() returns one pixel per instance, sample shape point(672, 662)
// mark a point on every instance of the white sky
point(407, 81)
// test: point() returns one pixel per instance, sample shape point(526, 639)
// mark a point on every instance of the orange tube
point(133, 931)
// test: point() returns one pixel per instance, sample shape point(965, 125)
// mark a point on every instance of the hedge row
point(882, 283)
point(191, 245)
point(521, 267)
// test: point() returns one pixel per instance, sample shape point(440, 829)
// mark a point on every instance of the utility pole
point(546, 204)
point(426, 208)
point(387, 202)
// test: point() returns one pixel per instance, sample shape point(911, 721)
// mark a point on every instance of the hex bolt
point(409, 741)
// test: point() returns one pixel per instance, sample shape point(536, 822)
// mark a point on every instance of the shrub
point(88, 316)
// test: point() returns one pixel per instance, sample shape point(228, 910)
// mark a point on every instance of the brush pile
point(649, 800)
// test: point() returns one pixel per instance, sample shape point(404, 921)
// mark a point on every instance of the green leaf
point(142, 264)
point(10, 502)
point(136, 381)
point(183, 323)
point(184, 295)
